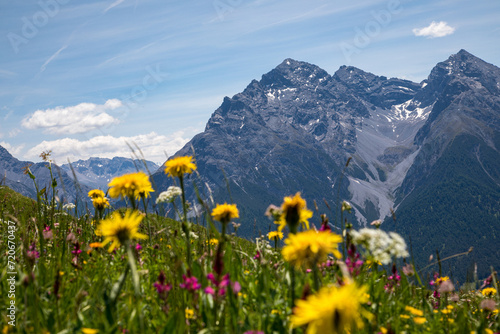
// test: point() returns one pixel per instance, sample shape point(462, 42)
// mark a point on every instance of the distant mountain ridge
point(93, 173)
point(295, 129)
point(12, 175)
point(98, 172)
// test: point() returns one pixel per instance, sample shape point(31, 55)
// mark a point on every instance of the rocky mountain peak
point(4, 153)
point(292, 73)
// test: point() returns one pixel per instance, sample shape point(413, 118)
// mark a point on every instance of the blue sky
point(83, 78)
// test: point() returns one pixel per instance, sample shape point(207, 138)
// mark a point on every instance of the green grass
point(64, 292)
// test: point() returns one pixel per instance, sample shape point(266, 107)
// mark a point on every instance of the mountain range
point(74, 181)
point(425, 154)
point(423, 157)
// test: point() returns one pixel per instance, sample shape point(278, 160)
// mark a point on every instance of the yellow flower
point(310, 247)
point(331, 310)
point(404, 316)
point(179, 166)
point(96, 193)
point(275, 234)
point(419, 320)
point(383, 330)
point(225, 212)
point(119, 230)
point(294, 211)
point(89, 331)
point(100, 203)
point(95, 245)
point(130, 185)
point(446, 311)
point(189, 313)
point(414, 311)
point(489, 292)
point(213, 242)
point(442, 279)
point(488, 331)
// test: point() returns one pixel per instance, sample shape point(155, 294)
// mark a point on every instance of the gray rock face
point(294, 129)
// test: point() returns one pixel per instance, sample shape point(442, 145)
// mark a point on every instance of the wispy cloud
point(7, 74)
point(114, 4)
point(435, 29)
point(51, 58)
point(81, 118)
point(155, 147)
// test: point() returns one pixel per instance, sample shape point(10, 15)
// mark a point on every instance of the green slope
point(457, 207)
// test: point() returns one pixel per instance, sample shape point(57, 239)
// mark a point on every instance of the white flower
point(169, 195)
point(382, 247)
point(69, 206)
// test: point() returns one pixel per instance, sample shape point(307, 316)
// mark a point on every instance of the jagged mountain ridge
point(12, 175)
point(294, 129)
point(302, 105)
point(98, 172)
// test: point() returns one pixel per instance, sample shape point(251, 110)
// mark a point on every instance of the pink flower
point(161, 287)
point(190, 283)
point(138, 247)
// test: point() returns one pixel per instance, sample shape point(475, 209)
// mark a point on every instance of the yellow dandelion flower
point(119, 230)
point(489, 292)
point(275, 311)
point(96, 193)
point(89, 331)
point(488, 331)
point(494, 312)
point(414, 311)
point(130, 185)
point(383, 330)
point(189, 313)
point(294, 211)
point(179, 166)
point(214, 242)
point(442, 279)
point(95, 245)
point(331, 310)
point(446, 311)
point(419, 320)
point(275, 234)
point(225, 212)
point(404, 316)
point(310, 247)
point(100, 203)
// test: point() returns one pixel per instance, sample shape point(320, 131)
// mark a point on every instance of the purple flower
point(190, 283)
point(138, 247)
point(209, 291)
point(161, 287)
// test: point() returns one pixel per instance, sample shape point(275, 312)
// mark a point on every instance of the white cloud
point(81, 118)
point(153, 146)
point(435, 29)
point(14, 150)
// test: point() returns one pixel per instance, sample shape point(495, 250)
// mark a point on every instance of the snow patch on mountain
point(385, 150)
